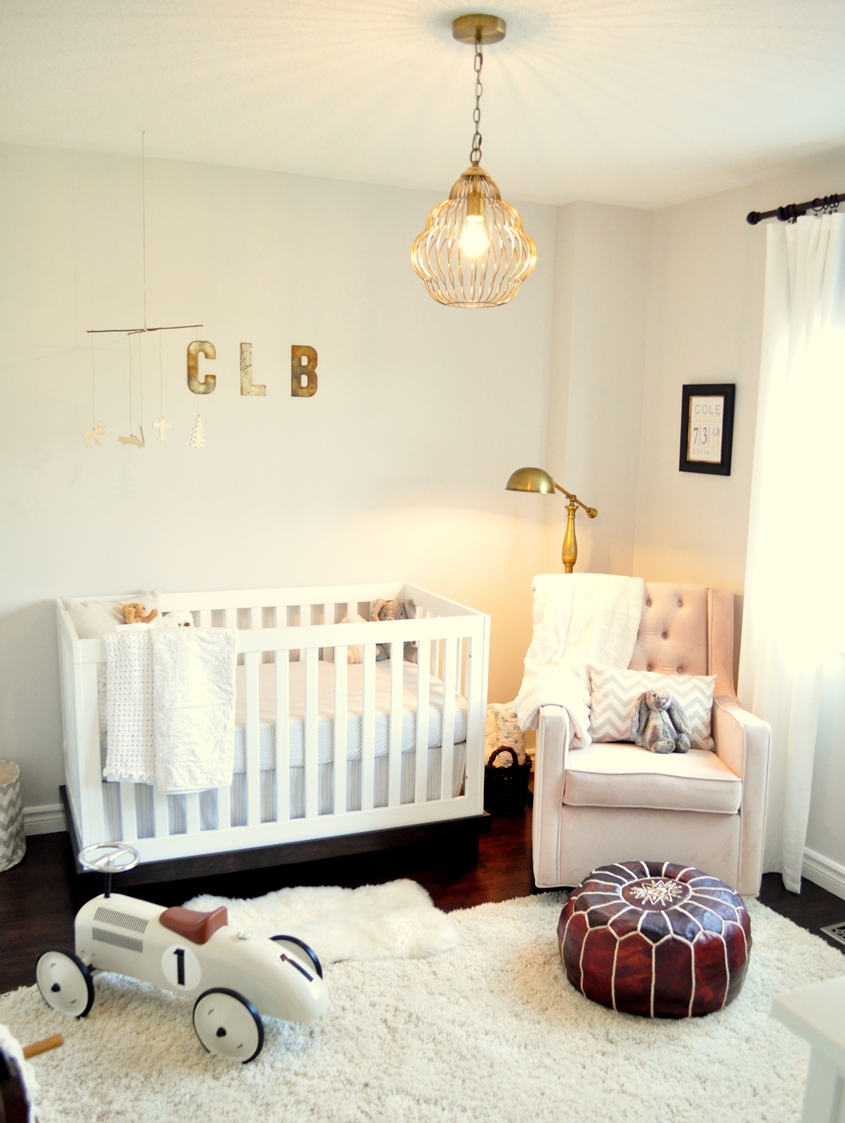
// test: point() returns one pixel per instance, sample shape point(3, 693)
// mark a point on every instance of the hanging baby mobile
point(303, 367)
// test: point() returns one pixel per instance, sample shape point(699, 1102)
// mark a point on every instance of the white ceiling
point(639, 102)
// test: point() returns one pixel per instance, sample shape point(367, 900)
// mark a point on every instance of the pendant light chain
point(475, 151)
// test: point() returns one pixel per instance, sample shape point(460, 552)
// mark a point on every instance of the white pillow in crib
point(94, 619)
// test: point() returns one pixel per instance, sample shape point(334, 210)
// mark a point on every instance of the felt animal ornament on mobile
point(659, 724)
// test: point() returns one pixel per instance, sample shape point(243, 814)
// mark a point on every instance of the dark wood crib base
point(455, 839)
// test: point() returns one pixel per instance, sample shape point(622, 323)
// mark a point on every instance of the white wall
point(394, 470)
point(596, 392)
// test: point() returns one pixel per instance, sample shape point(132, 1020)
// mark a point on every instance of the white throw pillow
point(614, 693)
point(95, 618)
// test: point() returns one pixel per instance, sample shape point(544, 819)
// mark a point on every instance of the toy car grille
point(118, 939)
point(121, 919)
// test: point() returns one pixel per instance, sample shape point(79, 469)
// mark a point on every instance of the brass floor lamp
point(535, 479)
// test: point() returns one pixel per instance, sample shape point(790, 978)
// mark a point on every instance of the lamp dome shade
point(530, 479)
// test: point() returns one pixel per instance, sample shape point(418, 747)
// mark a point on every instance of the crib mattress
point(354, 713)
point(325, 716)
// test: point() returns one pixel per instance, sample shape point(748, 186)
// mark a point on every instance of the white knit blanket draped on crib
point(579, 619)
point(170, 705)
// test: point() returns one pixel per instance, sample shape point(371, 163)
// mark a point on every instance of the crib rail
point(374, 769)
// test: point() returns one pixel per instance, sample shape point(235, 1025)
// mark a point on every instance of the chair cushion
point(625, 775)
point(614, 694)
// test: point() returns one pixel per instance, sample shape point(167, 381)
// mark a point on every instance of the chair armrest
point(744, 743)
point(554, 732)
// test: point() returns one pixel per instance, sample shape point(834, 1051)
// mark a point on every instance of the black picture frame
point(707, 428)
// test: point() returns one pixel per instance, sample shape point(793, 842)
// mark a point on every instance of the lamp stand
point(569, 553)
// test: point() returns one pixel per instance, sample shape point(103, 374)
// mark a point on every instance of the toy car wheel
point(228, 1025)
point(65, 982)
point(300, 949)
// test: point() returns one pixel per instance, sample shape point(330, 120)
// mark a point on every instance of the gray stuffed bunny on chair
point(660, 724)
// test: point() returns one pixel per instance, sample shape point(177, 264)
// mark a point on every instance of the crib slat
point(282, 736)
point(424, 657)
point(87, 748)
point(476, 689)
point(224, 808)
point(251, 739)
point(128, 813)
point(161, 815)
point(368, 726)
point(341, 730)
point(192, 813)
point(311, 745)
point(394, 746)
point(447, 741)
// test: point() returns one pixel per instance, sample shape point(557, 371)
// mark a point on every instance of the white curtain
point(793, 609)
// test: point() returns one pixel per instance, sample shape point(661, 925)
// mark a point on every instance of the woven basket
point(12, 838)
point(506, 789)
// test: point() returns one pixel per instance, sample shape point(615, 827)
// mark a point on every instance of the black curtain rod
point(796, 210)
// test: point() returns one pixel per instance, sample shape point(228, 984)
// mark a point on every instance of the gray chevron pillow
point(614, 694)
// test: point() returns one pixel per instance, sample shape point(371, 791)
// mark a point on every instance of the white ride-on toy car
point(232, 973)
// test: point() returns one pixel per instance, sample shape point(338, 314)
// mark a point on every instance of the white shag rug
point(490, 1030)
point(371, 922)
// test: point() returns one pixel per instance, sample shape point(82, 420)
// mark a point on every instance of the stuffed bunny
point(660, 724)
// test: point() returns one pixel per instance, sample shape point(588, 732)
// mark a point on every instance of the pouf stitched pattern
point(656, 939)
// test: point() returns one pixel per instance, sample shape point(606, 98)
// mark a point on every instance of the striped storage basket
point(12, 838)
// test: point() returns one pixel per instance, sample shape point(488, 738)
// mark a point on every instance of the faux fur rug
point(489, 1030)
point(372, 922)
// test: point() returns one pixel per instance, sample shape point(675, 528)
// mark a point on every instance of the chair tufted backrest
point(688, 630)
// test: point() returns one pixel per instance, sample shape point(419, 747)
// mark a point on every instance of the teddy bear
point(176, 619)
point(660, 724)
point(395, 610)
point(135, 613)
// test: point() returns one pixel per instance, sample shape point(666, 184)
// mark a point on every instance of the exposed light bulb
point(474, 240)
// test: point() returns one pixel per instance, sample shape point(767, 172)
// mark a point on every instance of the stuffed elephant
point(660, 724)
point(395, 610)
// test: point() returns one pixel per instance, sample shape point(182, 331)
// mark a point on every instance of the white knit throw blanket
point(171, 707)
point(579, 618)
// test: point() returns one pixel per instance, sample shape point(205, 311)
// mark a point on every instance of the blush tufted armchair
point(612, 801)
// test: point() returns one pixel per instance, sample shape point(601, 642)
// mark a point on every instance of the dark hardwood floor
point(38, 897)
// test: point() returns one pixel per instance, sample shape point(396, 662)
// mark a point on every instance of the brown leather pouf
point(656, 939)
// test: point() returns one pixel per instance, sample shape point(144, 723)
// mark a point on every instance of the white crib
point(326, 752)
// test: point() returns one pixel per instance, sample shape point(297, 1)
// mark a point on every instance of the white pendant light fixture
point(473, 252)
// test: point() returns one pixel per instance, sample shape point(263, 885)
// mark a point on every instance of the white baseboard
point(47, 819)
point(824, 872)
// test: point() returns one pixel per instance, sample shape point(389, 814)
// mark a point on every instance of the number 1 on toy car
point(181, 967)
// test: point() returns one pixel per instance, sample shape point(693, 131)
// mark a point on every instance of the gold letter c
point(206, 386)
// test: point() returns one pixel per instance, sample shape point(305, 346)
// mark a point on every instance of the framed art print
point(707, 428)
